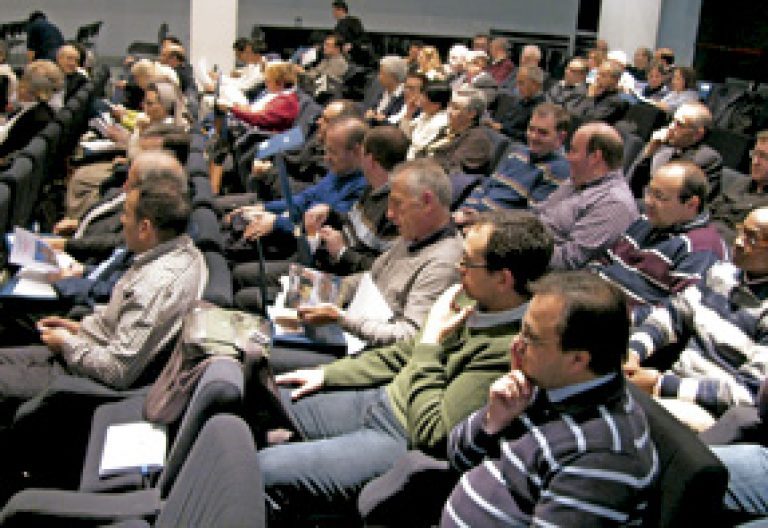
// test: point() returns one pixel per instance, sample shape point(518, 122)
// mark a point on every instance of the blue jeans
point(353, 437)
point(748, 481)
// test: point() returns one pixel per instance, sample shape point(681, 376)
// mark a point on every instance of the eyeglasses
point(682, 124)
point(531, 340)
point(750, 236)
point(759, 154)
point(464, 263)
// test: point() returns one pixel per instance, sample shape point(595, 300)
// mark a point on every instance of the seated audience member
point(276, 111)
point(163, 108)
point(476, 77)
point(117, 345)
point(682, 90)
point(721, 324)
point(7, 71)
point(432, 120)
point(569, 92)
point(641, 62)
point(456, 67)
point(740, 195)
point(683, 139)
point(305, 167)
point(349, 242)
point(420, 264)
point(43, 38)
point(604, 102)
point(513, 113)
point(430, 65)
point(172, 54)
point(481, 42)
point(333, 65)
point(92, 237)
point(465, 146)
point(414, 47)
point(339, 189)
point(244, 78)
point(672, 245)
point(41, 79)
point(626, 81)
point(414, 391)
point(391, 105)
point(68, 59)
point(501, 67)
point(561, 441)
point(666, 55)
point(529, 174)
point(595, 58)
point(143, 73)
point(658, 75)
point(413, 87)
point(589, 212)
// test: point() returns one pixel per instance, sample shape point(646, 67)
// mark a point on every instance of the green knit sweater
point(433, 387)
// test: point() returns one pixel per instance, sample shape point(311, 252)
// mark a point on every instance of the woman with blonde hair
point(430, 64)
point(41, 79)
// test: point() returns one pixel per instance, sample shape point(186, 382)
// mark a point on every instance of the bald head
point(68, 59)
point(530, 55)
point(152, 162)
point(750, 248)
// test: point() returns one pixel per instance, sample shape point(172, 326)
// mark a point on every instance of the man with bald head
point(514, 112)
point(590, 211)
point(722, 324)
point(672, 245)
point(683, 139)
point(570, 92)
point(68, 59)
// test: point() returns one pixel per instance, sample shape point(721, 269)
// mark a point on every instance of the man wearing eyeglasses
point(742, 194)
point(408, 395)
point(672, 245)
point(723, 327)
point(681, 140)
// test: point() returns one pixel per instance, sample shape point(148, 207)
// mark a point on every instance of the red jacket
point(278, 114)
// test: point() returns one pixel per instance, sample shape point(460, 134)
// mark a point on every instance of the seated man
point(529, 174)
point(740, 195)
point(117, 345)
point(333, 65)
point(501, 67)
point(340, 188)
point(390, 107)
point(410, 394)
point(590, 211)
point(99, 231)
point(722, 325)
point(670, 247)
point(431, 116)
point(604, 101)
point(243, 79)
point(560, 442)
point(349, 242)
point(464, 147)
point(419, 266)
point(681, 140)
point(513, 112)
point(570, 92)
point(68, 59)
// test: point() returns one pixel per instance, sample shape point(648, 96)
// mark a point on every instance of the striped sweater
point(724, 327)
point(521, 180)
point(585, 460)
point(651, 264)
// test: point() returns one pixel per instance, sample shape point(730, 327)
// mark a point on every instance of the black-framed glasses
point(750, 236)
point(464, 263)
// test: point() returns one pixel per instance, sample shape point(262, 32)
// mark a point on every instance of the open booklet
point(36, 258)
point(308, 287)
point(136, 447)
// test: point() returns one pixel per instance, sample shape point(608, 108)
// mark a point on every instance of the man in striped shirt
point(672, 245)
point(561, 442)
point(722, 323)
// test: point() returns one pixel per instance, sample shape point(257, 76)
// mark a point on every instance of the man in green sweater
point(376, 406)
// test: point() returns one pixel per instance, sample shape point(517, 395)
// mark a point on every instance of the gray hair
point(150, 162)
point(425, 174)
point(396, 66)
point(531, 49)
point(43, 78)
point(475, 100)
